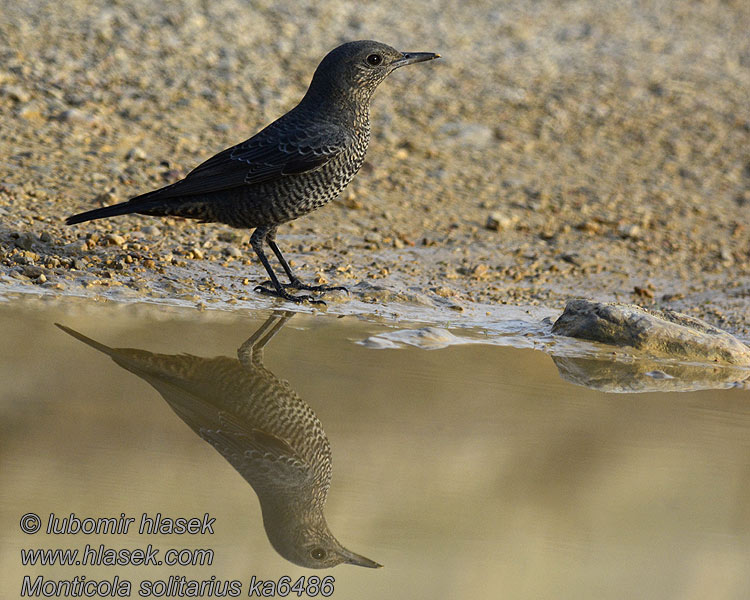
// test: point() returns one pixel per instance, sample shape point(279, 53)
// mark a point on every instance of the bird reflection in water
point(259, 424)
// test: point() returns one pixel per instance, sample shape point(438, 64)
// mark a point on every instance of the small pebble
point(114, 239)
point(32, 271)
point(152, 230)
point(498, 222)
point(25, 240)
point(629, 231)
point(136, 153)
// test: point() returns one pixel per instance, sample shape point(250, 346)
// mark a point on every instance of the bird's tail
point(123, 208)
point(86, 340)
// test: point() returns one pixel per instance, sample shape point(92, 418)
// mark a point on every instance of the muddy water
point(466, 470)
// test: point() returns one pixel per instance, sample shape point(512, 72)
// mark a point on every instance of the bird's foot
point(296, 284)
point(286, 296)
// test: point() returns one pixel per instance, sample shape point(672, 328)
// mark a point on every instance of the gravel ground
point(559, 149)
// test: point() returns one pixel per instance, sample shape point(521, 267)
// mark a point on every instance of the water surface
point(467, 470)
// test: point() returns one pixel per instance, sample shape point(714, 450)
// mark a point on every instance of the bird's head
point(355, 69)
point(311, 544)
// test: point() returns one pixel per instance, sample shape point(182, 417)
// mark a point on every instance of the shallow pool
point(468, 470)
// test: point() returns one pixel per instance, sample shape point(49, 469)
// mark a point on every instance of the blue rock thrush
point(296, 164)
point(260, 425)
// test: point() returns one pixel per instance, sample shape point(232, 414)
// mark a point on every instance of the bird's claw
point(286, 296)
point(298, 285)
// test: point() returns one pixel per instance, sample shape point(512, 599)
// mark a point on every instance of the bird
point(297, 164)
point(262, 427)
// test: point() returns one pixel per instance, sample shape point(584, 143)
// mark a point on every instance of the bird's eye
point(318, 553)
point(374, 60)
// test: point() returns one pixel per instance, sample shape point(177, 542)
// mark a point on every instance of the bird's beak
point(355, 559)
point(409, 58)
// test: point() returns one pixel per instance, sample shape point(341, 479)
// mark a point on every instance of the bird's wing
point(257, 454)
point(280, 149)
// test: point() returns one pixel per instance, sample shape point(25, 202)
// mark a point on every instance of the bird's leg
point(294, 281)
point(256, 240)
point(251, 352)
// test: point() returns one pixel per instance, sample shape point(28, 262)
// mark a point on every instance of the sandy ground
point(558, 149)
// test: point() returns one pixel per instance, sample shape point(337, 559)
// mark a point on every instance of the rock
point(114, 239)
point(32, 272)
point(350, 201)
point(373, 293)
point(136, 153)
point(726, 256)
point(481, 271)
point(25, 241)
point(497, 221)
point(628, 376)
point(629, 230)
point(445, 292)
point(152, 230)
point(656, 333)
point(75, 247)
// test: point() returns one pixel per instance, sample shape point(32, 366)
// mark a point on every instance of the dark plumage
point(296, 164)
point(260, 425)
